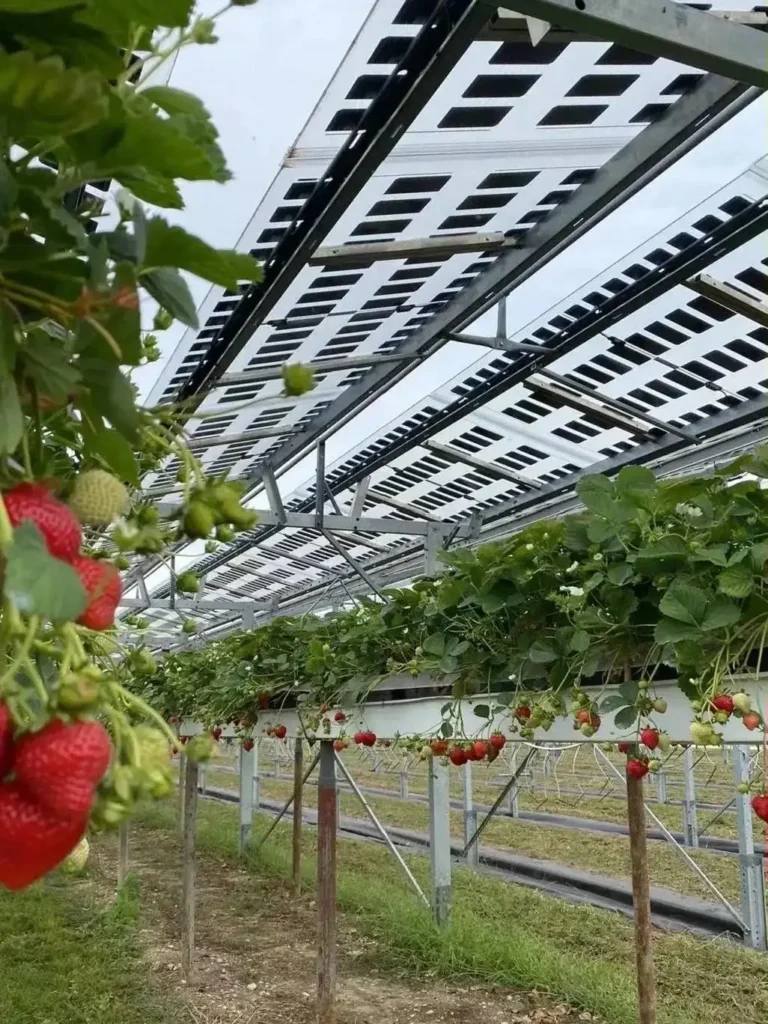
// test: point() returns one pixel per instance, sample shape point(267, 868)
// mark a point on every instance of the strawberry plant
point(80, 278)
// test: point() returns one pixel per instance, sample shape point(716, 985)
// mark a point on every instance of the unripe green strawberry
point(211, 546)
point(187, 583)
point(163, 320)
point(224, 533)
point(189, 626)
point(200, 748)
point(78, 691)
point(97, 497)
point(77, 861)
point(122, 563)
point(198, 520)
point(742, 703)
point(298, 378)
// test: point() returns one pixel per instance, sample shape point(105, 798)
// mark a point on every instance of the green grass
point(604, 853)
point(66, 960)
point(504, 934)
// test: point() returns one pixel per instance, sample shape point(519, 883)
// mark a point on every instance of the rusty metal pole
point(641, 895)
point(188, 870)
point(298, 812)
point(326, 886)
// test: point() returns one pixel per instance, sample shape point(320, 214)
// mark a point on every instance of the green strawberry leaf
point(11, 416)
point(36, 583)
point(736, 580)
point(169, 289)
point(684, 602)
point(169, 245)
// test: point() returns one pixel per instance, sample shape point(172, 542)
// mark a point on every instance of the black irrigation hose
point(671, 911)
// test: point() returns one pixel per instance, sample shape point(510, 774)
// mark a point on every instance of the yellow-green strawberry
point(298, 378)
point(76, 862)
point(97, 497)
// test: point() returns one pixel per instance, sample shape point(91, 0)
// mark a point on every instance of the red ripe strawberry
point(439, 748)
point(650, 738)
point(523, 713)
point(32, 841)
point(280, 732)
point(751, 720)
point(263, 701)
point(636, 768)
point(624, 746)
point(102, 582)
point(217, 733)
point(56, 522)
point(339, 745)
point(369, 739)
point(760, 806)
point(723, 702)
point(6, 741)
point(458, 756)
point(471, 753)
point(358, 738)
point(62, 765)
point(481, 748)
point(339, 717)
point(498, 741)
point(248, 745)
point(586, 717)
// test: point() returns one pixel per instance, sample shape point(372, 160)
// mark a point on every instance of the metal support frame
point(440, 840)
point(358, 502)
point(497, 343)
point(601, 404)
point(490, 468)
point(510, 27)
point(217, 604)
point(470, 819)
point(474, 839)
point(381, 830)
point(342, 523)
point(730, 297)
point(338, 547)
point(432, 548)
point(246, 803)
point(690, 817)
point(661, 787)
point(273, 495)
point(750, 863)
point(318, 366)
point(319, 486)
point(287, 806)
point(701, 874)
point(691, 119)
point(298, 813)
point(664, 29)
point(432, 55)
point(439, 247)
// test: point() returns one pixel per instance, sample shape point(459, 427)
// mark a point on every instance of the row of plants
point(80, 283)
point(652, 580)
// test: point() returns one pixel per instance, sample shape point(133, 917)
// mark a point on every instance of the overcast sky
point(260, 96)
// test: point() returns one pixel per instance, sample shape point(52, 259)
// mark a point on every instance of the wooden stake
point(298, 812)
point(641, 893)
point(188, 871)
point(122, 855)
point(182, 775)
point(326, 886)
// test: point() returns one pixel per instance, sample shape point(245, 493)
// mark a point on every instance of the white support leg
point(750, 863)
point(440, 840)
point(247, 760)
point(470, 818)
point(690, 821)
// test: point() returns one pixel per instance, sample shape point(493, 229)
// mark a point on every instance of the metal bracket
point(358, 501)
point(368, 580)
point(273, 493)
